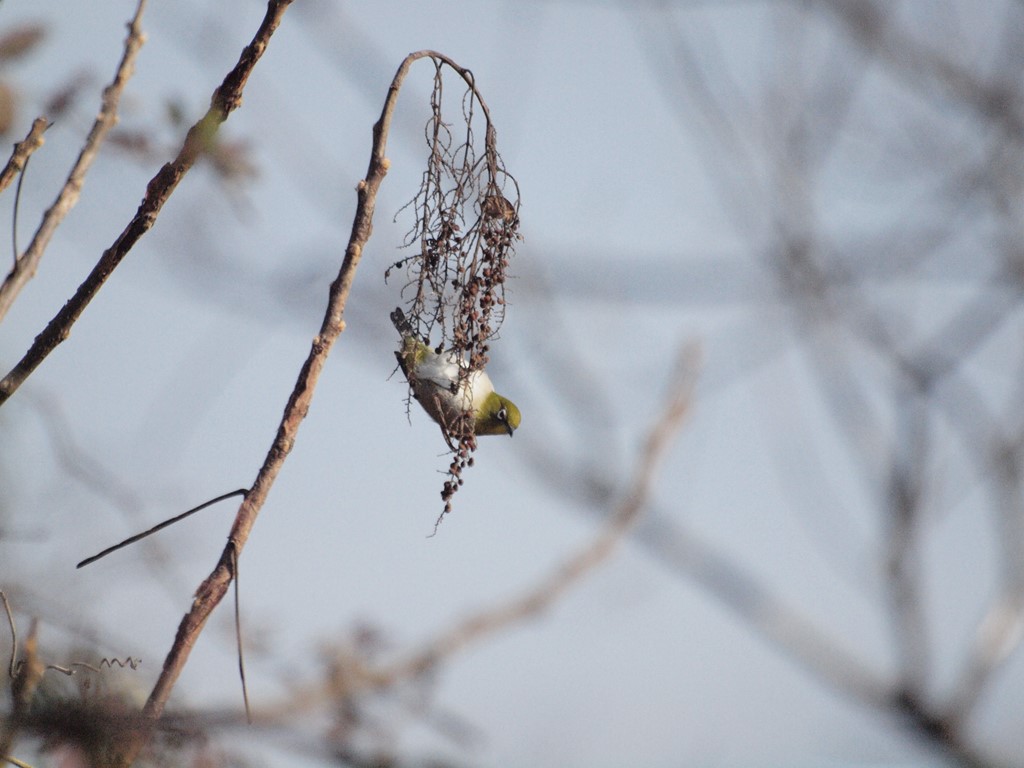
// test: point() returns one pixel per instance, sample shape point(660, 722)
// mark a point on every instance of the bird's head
point(497, 416)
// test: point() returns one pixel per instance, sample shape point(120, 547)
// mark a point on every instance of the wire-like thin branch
point(14, 214)
point(226, 98)
point(26, 264)
point(238, 638)
point(160, 526)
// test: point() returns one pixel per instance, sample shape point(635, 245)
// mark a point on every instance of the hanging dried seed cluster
point(466, 226)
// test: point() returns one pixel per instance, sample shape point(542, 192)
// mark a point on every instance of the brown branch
point(215, 586)
point(25, 265)
point(226, 98)
point(568, 574)
point(22, 151)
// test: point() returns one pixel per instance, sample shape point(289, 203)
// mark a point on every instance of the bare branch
point(26, 264)
point(226, 98)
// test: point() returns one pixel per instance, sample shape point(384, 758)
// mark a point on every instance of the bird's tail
point(413, 348)
point(401, 322)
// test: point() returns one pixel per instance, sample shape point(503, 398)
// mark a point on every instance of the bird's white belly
point(438, 389)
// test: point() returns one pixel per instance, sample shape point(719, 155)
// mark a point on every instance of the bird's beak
point(508, 427)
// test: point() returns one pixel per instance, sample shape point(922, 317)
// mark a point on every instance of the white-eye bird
point(445, 396)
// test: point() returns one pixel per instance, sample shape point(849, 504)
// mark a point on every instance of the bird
point(447, 390)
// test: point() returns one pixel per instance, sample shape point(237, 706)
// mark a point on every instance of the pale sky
point(635, 242)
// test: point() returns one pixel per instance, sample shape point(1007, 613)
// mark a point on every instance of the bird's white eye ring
point(502, 415)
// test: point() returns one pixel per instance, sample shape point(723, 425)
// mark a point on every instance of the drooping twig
point(238, 638)
point(226, 98)
point(464, 234)
point(26, 264)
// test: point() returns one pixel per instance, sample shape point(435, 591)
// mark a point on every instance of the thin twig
point(22, 151)
point(225, 100)
point(27, 263)
point(14, 214)
point(15, 167)
point(160, 527)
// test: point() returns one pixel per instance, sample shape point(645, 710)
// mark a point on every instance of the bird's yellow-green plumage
point(446, 391)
